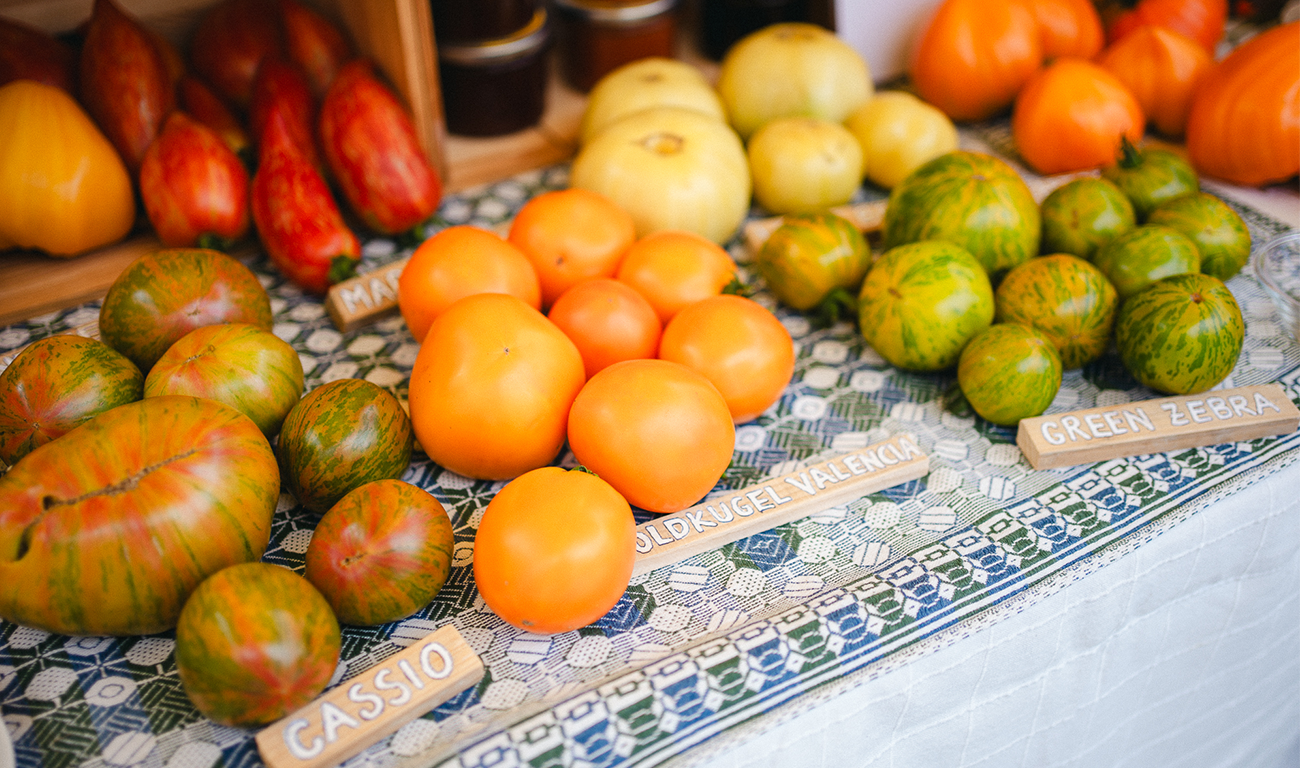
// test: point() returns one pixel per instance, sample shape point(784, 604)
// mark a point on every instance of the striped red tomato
point(255, 642)
point(106, 530)
point(57, 383)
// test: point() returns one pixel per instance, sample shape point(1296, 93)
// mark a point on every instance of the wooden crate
point(396, 34)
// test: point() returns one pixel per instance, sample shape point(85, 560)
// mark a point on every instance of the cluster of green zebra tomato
point(976, 274)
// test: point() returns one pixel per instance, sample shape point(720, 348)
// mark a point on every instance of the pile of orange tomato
point(572, 328)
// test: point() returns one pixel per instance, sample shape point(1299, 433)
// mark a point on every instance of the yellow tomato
point(899, 133)
point(654, 81)
point(63, 188)
point(804, 165)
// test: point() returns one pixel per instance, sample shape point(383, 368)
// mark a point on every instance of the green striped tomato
point(381, 553)
point(922, 302)
point(1217, 230)
point(1150, 177)
point(106, 530)
point(1009, 372)
point(1182, 334)
point(238, 364)
point(341, 435)
point(1066, 298)
point(1082, 215)
point(1145, 254)
point(810, 255)
point(974, 200)
point(164, 295)
point(57, 383)
point(255, 642)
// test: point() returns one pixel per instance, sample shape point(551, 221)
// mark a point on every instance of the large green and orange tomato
point(810, 255)
point(381, 553)
point(1182, 334)
point(255, 642)
point(241, 365)
point(1145, 254)
point(555, 550)
point(342, 435)
point(1066, 298)
point(1009, 372)
point(166, 294)
point(106, 530)
point(1217, 230)
point(974, 200)
point(922, 302)
point(1084, 214)
point(57, 383)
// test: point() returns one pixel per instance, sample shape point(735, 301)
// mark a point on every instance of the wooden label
point(364, 298)
point(374, 704)
point(1156, 426)
point(711, 524)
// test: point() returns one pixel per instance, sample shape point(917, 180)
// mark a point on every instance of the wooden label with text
point(361, 711)
point(711, 524)
point(364, 298)
point(1156, 426)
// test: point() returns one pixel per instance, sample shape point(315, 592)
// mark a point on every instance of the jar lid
point(617, 11)
point(527, 40)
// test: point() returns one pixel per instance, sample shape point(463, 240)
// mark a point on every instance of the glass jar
point(597, 36)
point(498, 86)
point(723, 22)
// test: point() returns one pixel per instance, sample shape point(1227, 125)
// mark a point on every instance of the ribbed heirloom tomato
point(657, 431)
point(554, 550)
point(491, 387)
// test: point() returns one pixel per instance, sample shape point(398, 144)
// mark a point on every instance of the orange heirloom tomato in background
point(491, 388)
point(1071, 115)
point(571, 235)
point(975, 55)
point(608, 321)
point(554, 550)
point(1244, 125)
point(1162, 68)
point(1068, 27)
point(458, 262)
point(1201, 20)
point(657, 431)
point(739, 346)
point(673, 268)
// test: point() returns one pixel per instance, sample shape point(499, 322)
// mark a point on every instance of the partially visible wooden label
point(364, 298)
point(1156, 426)
point(711, 524)
point(365, 709)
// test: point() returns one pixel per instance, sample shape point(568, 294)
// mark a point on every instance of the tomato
point(608, 321)
point(1201, 20)
point(1163, 69)
point(899, 133)
point(672, 269)
point(457, 262)
point(1068, 27)
point(571, 235)
point(739, 346)
point(491, 388)
point(804, 164)
point(554, 550)
point(657, 431)
point(1070, 117)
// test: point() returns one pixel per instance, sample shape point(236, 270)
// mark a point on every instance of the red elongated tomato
point(555, 550)
point(193, 185)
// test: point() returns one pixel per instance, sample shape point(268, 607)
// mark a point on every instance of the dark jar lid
point(528, 40)
point(616, 11)
point(466, 21)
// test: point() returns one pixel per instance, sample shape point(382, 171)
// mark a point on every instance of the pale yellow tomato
point(804, 165)
point(654, 81)
point(898, 133)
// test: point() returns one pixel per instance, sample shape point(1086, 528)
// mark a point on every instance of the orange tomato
point(739, 346)
point(457, 262)
point(554, 550)
point(674, 268)
point(1201, 20)
point(608, 321)
point(1162, 68)
point(657, 431)
point(1071, 115)
point(1068, 27)
point(974, 56)
point(571, 235)
point(491, 387)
